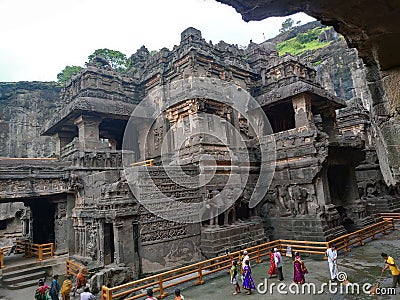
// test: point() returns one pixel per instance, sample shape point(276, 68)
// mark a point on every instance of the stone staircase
point(386, 204)
point(215, 240)
point(19, 277)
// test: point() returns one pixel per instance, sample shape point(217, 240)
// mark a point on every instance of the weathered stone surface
point(24, 107)
point(165, 213)
point(374, 29)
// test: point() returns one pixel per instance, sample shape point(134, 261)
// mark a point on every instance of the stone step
point(22, 271)
point(24, 278)
point(22, 285)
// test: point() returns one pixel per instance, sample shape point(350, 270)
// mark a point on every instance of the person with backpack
point(42, 292)
point(54, 288)
point(234, 277)
point(394, 269)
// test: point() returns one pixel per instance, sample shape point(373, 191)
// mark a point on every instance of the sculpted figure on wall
point(298, 197)
point(91, 247)
point(284, 200)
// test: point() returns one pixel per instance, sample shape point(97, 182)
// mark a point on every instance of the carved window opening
point(221, 219)
point(243, 212)
point(281, 117)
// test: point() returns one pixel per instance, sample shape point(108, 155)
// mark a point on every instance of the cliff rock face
point(24, 108)
point(338, 67)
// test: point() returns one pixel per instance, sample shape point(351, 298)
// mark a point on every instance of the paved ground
point(362, 265)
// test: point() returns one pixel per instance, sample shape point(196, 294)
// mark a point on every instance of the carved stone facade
point(206, 147)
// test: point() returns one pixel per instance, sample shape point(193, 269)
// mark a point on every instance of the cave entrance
point(43, 221)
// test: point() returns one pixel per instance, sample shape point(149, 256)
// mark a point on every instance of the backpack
point(41, 296)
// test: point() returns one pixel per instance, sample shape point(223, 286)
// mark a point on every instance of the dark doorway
point(342, 185)
point(108, 243)
point(281, 117)
point(43, 221)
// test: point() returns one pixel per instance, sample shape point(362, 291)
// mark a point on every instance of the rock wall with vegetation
point(24, 108)
point(338, 68)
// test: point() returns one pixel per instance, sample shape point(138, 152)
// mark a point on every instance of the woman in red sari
point(299, 269)
point(272, 269)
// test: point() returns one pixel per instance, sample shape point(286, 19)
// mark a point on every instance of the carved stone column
point(62, 139)
point(88, 127)
point(329, 123)
point(302, 111)
point(60, 228)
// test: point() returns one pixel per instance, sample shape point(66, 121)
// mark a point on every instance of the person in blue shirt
point(54, 288)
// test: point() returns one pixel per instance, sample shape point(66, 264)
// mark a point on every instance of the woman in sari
point(272, 269)
point(299, 269)
point(248, 282)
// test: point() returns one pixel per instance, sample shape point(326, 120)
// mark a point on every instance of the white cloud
point(39, 38)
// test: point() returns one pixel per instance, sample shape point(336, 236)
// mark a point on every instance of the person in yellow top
point(394, 269)
point(66, 288)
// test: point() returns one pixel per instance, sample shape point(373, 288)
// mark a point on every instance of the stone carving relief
point(91, 247)
point(182, 251)
point(298, 200)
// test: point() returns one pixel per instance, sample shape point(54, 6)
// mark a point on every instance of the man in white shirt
point(278, 263)
point(331, 254)
point(87, 295)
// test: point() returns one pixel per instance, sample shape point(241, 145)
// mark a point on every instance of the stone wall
point(11, 224)
point(24, 108)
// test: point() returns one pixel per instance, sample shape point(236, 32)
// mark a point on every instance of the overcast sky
point(38, 38)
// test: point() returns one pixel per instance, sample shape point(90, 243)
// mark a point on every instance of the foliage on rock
point(303, 42)
point(116, 59)
point(67, 73)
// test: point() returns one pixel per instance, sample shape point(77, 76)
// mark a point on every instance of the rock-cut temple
point(264, 150)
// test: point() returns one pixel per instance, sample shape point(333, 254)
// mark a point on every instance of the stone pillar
point(119, 240)
point(88, 127)
point(302, 111)
point(71, 231)
point(322, 188)
point(62, 139)
point(329, 124)
point(60, 228)
point(143, 131)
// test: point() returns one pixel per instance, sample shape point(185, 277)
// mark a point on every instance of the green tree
point(67, 73)
point(286, 25)
point(116, 59)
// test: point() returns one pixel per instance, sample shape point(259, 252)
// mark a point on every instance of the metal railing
point(147, 163)
point(41, 251)
point(361, 236)
point(4, 251)
point(394, 216)
point(196, 272)
point(72, 268)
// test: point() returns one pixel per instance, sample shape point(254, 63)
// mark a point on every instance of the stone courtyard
point(362, 265)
